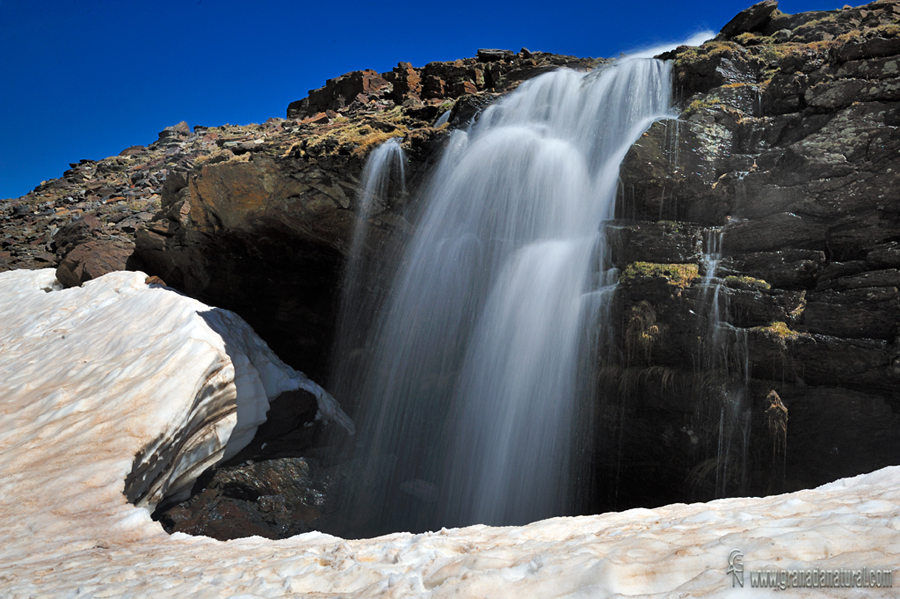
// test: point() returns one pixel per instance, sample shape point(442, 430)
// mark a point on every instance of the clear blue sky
point(88, 78)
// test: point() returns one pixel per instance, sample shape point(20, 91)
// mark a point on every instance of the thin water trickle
point(444, 118)
point(726, 356)
point(474, 376)
point(383, 178)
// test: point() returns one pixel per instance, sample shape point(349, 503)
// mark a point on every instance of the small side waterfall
point(473, 374)
point(725, 356)
point(383, 178)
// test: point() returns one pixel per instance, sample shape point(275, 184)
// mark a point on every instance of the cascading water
point(383, 177)
point(725, 352)
point(471, 385)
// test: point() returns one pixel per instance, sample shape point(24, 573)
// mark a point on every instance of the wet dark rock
point(884, 256)
point(274, 499)
point(870, 313)
point(784, 269)
point(289, 430)
point(872, 278)
point(839, 433)
point(777, 232)
point(657, 242)
point(274, 487)
point(787, 144)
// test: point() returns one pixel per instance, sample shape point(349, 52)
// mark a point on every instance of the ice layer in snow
point(91, 377)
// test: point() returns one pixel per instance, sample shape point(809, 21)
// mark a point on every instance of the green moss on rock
point(677, 275)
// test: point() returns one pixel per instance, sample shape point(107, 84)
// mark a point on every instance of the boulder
point(180, 130)
point(274, 499)
point(93, 259)
point(75, 233)
point(492, 55)
point(752, 19)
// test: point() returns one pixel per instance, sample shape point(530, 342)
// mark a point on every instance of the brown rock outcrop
point(93, 259)
point(435, 83)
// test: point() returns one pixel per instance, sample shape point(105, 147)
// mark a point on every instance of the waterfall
point(383, 178)
point(473, 377)
point(726, 354)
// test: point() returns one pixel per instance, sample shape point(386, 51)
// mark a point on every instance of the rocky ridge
point(256, 218)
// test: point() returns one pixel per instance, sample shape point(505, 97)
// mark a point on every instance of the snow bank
point(91, 376)
point(194, 381)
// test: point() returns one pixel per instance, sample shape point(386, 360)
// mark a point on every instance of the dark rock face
point(219, 239)
point(788, 146)
point(273, 488)
point(275, 499)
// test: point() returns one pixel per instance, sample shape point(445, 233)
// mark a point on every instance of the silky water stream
point(472, 376)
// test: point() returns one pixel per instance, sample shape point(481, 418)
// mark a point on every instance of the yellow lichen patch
point(780, 330)
point(361, 135)
point(292, 147)
point(706, 51)
point(815, 24)
point(678, 275)
point(367, 137)
point(774, 54)
point(889, 30)
point(740, 282)
point(701, 104)
point(750, 39)
point(713, 102)
point(642, 331)
point(801, 306)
